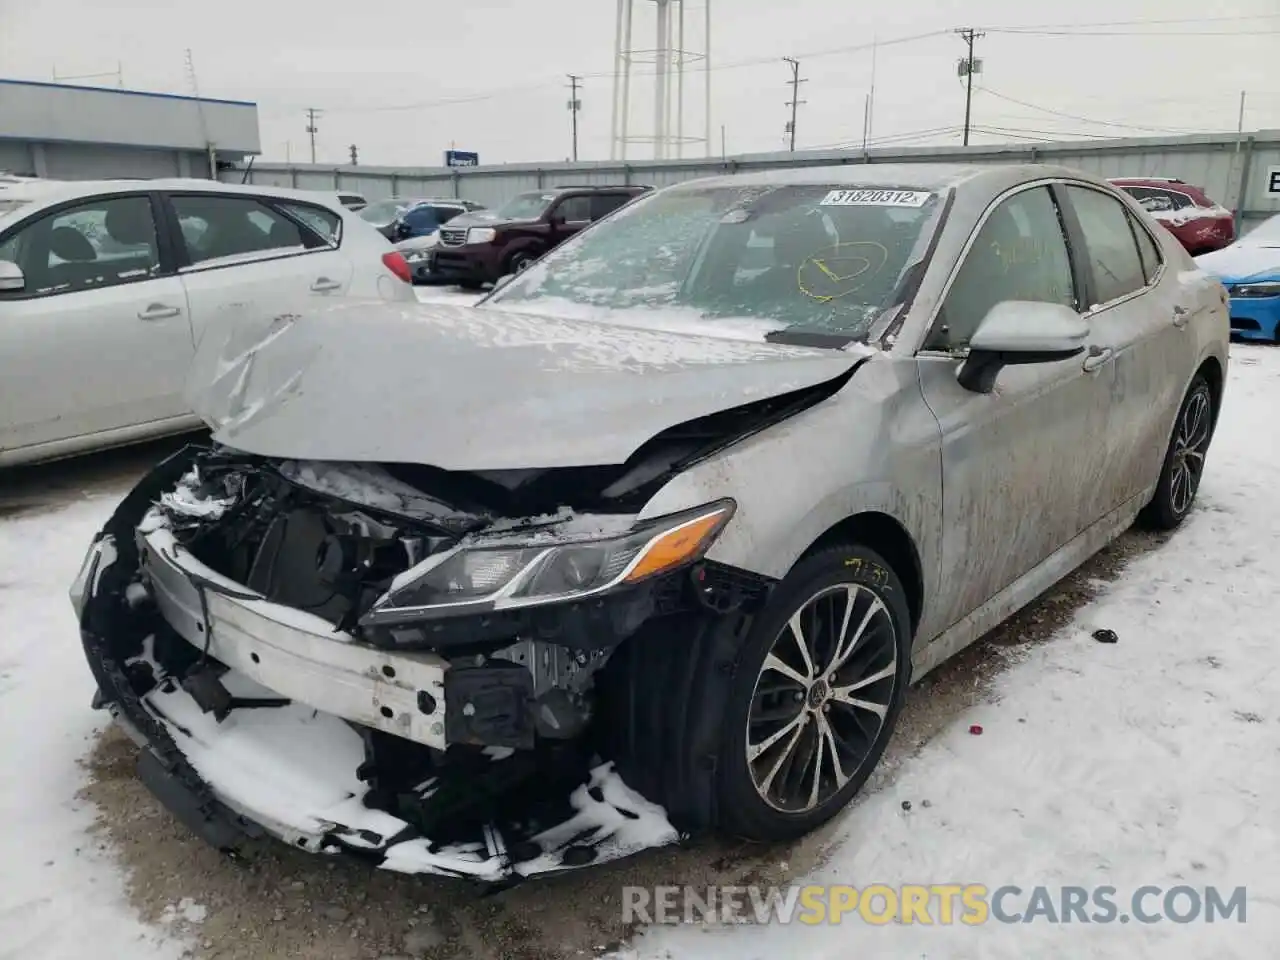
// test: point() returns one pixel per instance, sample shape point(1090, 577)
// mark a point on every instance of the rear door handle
point(158, 311)
point(1096, 358)
point(324, 285)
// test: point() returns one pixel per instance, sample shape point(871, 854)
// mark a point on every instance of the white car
point(107, 287)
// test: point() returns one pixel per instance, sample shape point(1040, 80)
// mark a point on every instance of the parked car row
point(697, 492)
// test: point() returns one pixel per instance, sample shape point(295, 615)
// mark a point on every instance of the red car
point(1200, 224)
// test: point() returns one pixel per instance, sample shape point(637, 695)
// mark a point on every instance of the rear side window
point(1110, 246)
point(219, 228)
point(1148, 252)
point(1020, 253)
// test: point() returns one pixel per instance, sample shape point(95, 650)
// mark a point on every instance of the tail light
point(395, 262)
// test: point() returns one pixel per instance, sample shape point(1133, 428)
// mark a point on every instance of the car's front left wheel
point(814, 701)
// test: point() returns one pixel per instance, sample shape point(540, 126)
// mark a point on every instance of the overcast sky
point(384, 72)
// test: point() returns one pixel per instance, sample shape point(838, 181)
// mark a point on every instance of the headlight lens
point(481, 235)
point(1271, 288)
point(521, 575)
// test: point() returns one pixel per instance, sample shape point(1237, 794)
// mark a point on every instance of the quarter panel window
point(224, 227)
point(1020, 253)
point(100, 243)
point(1110, 246)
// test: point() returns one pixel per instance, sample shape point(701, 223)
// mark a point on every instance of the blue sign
point(461, 158)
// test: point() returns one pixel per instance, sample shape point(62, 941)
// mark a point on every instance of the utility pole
point(312, 130)
point(574, 106)
point(967, 68)
point(355, 155)
point(795, 100)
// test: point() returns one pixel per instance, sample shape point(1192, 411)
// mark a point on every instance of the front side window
point(574, 209)
point(96, 244)
point(744, 259)
point(1019, 253)
point(605, 203)
point(226, 227)
point(1110, 246)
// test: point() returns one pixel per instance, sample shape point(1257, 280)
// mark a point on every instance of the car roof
point(933, 177)
point(53, 191)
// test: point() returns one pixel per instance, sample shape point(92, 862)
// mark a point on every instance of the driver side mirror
point(11, 278)
point(1017, 332)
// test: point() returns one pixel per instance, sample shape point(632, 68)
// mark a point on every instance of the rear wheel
point(1184, 461)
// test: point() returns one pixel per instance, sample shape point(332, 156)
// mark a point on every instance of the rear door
point(251, 257)
point(1143, 325)
point(100, 337)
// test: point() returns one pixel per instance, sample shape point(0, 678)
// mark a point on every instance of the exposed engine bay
point(403, 661)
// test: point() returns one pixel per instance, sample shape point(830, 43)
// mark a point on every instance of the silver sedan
point(698, 496)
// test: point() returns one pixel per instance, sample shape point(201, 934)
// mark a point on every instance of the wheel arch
point(889, 538)
point(1211, 370)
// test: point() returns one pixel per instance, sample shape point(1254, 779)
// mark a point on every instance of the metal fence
point(1237, 171)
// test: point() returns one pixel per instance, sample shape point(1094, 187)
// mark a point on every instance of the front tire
point(816, 695)
point(520, 261)
point(1183, 465)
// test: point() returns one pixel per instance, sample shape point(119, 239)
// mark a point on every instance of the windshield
point(527, 206)
point(1268, 231)
point(383, 211)
point(819, 257)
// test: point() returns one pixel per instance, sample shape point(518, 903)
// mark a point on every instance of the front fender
point(872, 448)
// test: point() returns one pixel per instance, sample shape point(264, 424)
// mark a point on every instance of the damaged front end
point(393, 660)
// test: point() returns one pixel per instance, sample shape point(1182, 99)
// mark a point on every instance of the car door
point(99, 338)
point(1142, 326)
point(1017, 462)
point(247, 256)
point(571, 214)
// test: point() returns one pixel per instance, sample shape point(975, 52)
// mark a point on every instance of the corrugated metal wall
point(1214, 162)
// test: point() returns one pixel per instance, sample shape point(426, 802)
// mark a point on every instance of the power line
point(1143, 22)
point(968, 67)
point(574, 106)
point(1023, 32)
point(312, 130)
point(795, 101)
point(1073, 116)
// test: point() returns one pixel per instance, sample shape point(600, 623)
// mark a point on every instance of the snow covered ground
point(1153, 761)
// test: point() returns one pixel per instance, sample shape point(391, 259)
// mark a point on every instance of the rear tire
point(1183, 466)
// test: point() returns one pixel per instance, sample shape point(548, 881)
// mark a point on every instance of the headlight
point(1270, 288)
point(481, 235)
point(471, 580)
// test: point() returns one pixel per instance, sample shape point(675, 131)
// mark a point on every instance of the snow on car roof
point(54, 190)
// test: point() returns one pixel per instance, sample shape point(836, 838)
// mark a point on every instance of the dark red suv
point(1200, 224)
point(482, 246)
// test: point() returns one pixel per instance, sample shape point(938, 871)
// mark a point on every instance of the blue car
point(1250, 270)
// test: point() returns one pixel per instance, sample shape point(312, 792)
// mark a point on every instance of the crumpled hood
point(1243, 261)
point(462, 388)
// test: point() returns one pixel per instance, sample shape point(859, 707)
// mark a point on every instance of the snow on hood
point(466, 389)
point(1244, 260)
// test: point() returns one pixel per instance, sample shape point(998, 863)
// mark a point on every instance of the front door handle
point(1096, 358)
point(324, 285)
point(158, 311)
point(1180, 317)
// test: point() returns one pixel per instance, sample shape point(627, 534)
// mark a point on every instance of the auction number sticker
point(876, 198)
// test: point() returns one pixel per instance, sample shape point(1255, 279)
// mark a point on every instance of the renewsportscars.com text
point(939, 903)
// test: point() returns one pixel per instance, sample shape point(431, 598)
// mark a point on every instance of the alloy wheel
point(821, 697)
point(1190, 443)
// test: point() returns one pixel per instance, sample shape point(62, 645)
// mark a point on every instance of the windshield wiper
point(801, 337)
